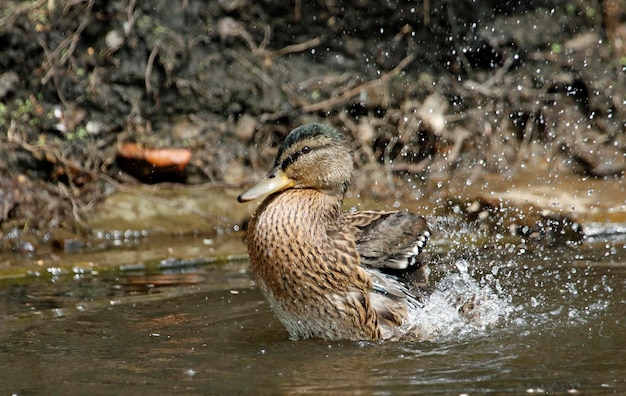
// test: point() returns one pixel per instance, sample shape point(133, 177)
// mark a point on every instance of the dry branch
point(351, 93)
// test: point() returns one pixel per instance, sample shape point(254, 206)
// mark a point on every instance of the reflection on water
point(550, 321)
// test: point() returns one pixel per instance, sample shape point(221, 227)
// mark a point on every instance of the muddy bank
point(432, 95)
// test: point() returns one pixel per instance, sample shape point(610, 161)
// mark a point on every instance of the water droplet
point(462, 266)
point(534, 302)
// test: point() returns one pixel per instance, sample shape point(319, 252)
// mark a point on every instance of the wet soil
point(433, 95)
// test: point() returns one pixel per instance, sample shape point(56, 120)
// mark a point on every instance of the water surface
point(551, 321)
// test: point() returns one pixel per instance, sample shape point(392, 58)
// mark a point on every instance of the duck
point(354, 275)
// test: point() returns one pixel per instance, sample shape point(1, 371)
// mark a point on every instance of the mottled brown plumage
point(327, 274)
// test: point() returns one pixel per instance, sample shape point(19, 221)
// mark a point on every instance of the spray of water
point(460, 307)
point(512, 287)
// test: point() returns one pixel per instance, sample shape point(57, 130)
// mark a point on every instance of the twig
point(461, 134)
point(131, 17)
point(149, 66)
point(349, 94)
point(426, 10)
point(409, 166)
point(298, 47)
point(297, 10)
point(76, 207)
point(267, 35)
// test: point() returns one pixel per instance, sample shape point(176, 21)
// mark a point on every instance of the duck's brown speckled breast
point(306, 278)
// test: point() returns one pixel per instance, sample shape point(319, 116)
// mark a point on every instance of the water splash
point(461, 306)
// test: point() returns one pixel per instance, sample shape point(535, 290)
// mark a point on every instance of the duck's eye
point(305, 150)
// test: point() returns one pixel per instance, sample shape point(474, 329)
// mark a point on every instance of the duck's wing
point(391, 246)
point(392, 242)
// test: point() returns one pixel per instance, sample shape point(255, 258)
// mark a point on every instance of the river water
point(548, 320)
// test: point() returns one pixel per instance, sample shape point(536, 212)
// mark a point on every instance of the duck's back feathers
point(389, 240)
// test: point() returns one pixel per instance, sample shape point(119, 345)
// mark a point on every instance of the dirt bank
point(428, 92)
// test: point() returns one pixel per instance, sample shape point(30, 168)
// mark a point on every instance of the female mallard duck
point(327, 274)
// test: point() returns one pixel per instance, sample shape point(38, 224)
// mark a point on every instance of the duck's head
point(313, 156)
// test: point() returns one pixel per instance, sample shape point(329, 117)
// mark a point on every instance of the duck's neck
point(310, 207)
point(294, 215)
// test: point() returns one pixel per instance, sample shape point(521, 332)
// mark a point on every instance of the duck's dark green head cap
point(309, 132)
